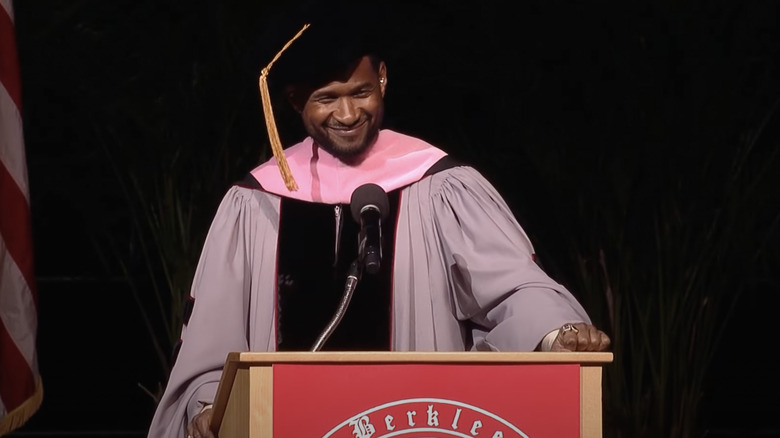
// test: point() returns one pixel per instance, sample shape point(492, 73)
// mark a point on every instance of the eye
point(324, 99)
point(363, 93)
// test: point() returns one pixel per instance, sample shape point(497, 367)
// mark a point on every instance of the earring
point(381, 80)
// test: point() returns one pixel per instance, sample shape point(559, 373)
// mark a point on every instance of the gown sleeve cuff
point(547, 341)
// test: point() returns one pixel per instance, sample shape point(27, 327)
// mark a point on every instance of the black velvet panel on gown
point(312, 277)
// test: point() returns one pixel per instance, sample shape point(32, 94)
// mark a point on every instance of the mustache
point(335, 124)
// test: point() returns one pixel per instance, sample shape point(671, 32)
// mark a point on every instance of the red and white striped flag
point(21, 391)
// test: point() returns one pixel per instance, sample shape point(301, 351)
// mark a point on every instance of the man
point(457, 272)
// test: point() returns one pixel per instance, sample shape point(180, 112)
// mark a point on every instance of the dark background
point(552, 100)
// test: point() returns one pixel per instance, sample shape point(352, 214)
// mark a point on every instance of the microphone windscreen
point(369, 194)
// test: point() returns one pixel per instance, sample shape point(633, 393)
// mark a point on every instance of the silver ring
point(569, 328)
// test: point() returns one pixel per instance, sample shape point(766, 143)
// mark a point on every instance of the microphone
point(370, 205)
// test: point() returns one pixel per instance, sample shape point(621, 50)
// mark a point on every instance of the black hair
point(339, 33)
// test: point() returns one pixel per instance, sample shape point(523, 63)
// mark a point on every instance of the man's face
point(344, 116)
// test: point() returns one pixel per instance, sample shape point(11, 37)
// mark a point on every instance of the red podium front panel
point(426, 400)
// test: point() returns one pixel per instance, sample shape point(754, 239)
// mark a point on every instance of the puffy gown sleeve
point(230, 290)
point(481, 267)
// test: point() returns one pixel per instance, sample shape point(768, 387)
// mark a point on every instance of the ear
point(293, 96)
point(382, 73)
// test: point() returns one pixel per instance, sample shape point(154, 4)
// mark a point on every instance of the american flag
point(21, 391)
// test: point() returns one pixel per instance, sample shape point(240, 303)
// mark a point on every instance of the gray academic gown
point(460, 255)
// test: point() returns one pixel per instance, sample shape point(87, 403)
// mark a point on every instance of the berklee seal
point(429, 417)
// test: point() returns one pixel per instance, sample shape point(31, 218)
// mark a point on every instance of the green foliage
point(177, 148)
point(668, 284)
point(160, 117)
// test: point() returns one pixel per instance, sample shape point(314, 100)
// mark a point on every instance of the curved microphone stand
point(353, 276)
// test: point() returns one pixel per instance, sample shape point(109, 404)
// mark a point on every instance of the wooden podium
point(410, 394)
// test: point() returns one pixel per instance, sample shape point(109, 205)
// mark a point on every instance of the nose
point(346, 111)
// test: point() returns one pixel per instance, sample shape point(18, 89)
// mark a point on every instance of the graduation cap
point(314, 42)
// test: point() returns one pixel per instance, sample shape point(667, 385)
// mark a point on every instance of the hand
point(580, 337)
point(199, 427)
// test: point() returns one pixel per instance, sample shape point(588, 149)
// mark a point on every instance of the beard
point(347, 146)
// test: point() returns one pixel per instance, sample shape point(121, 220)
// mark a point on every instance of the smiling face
point(344, 115)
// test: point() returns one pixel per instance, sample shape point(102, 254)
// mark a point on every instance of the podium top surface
point(266, 361)
point(419, 357)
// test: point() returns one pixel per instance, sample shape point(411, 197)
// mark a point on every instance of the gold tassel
point(270, 122)
point(19, 416)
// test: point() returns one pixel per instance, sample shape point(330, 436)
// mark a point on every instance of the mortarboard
point(318, 39)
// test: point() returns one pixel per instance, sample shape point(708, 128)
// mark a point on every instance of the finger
point(205, 432)
point(594, 339)
point(605, 341)
point(568, 339)
point(577, 339)
point(203, 424)
point(597, 340)
point(587, 338)
point(200, 429)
